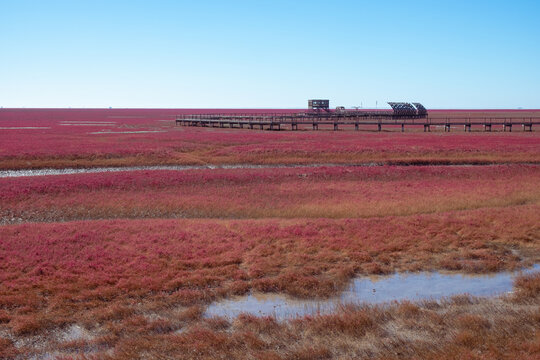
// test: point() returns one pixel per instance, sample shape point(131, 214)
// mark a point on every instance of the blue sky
point(262, 53)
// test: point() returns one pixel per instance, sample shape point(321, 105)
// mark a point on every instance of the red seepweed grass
point(55, 273)
point(113, 288)
point(336, 192)
point(100, 138)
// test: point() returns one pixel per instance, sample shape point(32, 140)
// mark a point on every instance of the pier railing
point(333, 121)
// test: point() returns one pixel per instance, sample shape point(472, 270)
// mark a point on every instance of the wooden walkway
point(337, 122)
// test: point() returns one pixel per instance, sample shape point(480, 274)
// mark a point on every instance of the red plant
point(337, 192)
point(84, 138)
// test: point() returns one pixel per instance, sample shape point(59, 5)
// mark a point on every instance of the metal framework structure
point(421, 110)
point(318, 104)
point(337, 121)
point(403, 109)
point(402, 115)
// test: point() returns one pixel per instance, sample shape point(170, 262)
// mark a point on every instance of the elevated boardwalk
point(352, 120)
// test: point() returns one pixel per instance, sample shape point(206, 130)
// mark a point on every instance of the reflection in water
point(379, 289)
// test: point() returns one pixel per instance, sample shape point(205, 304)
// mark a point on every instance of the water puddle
point(24, 127)
point(127, 117)
point(88, 124)
point(69, 171)
point(371, 290)
point(126, 132)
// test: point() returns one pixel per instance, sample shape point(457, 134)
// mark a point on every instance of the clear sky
point(269, 53)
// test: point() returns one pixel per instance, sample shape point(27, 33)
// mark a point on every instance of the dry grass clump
point(527, 287)
point(28, 324)
point(4, 317)
point(7, 349)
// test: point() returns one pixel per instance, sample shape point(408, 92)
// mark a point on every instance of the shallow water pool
point(372, 290)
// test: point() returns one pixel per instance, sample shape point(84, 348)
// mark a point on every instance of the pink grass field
point(88, 138)
point(335, 192)
point(122, 265)
point(134, 283)
point(65, 268)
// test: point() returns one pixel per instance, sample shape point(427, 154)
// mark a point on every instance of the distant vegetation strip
point(128, 142)
point(308, 192)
